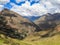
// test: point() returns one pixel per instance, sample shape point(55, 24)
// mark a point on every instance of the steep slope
point(17, 22)
point(49, 22)
point(46, 21)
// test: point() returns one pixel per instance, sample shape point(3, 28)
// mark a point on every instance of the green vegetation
point(7, 36)
point(12, 32)
point(31, 40)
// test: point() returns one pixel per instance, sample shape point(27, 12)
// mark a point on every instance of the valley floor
point(31, 40)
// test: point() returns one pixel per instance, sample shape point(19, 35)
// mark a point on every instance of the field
point(31, 40)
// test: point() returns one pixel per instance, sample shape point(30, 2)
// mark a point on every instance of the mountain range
point(16, 26)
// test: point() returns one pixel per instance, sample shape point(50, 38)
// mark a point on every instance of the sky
point(31, 7)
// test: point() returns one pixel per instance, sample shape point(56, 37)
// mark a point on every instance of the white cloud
point(2, 2)
point(52, 5)
point(43, 7)
point(27, 10)
point(55, 1)
point(1, 7)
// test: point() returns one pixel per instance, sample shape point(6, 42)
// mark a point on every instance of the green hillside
point(55, 40)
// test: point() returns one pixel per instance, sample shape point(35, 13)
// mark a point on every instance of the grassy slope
point(55, 40)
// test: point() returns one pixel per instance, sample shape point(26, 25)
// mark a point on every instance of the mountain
point(32, 18)
point(48, 19)
point(13, 27)
point(16, 24)
point(49, 22)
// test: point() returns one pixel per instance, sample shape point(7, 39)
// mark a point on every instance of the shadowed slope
point(49, 22)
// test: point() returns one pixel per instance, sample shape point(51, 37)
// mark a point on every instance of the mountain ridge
point(20, 25)
point(24, 27)
point(49, 22)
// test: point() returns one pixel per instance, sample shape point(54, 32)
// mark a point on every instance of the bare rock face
point(49, 22)
point(15, 21)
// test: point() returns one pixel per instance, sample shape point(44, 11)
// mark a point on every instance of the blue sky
point(20, 3)
point(31, 7)
point(8, 5)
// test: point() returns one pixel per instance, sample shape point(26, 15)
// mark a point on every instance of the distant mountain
point(32, 18)
point(49, 22)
